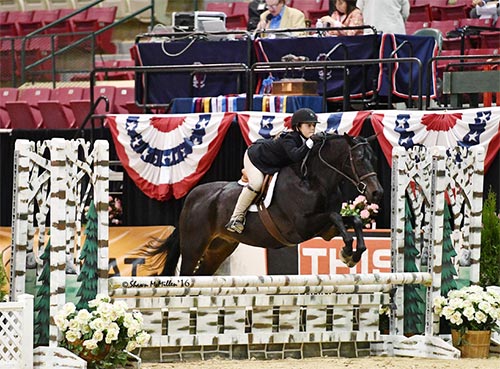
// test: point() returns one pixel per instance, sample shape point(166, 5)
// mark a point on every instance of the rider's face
point(307, 129)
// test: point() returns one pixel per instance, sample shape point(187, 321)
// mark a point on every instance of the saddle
point(264, 215)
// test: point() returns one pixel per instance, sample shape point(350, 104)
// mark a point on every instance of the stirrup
point(236, 224)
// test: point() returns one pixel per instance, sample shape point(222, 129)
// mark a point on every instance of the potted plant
point(360, 208)
point(101, 334)
point(472, 313)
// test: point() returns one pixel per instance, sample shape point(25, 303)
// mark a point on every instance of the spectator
point(346, 14)
point(475, 11)
point(280, 16)
point(255, 9)
point(388, 16)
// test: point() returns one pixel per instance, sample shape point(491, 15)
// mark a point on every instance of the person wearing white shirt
point(387, 16)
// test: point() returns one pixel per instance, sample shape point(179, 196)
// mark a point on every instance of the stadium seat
point(412, 27)
point(490, 39)
point(3, 16)
point(420, 13)
point(445, 26)
point(19, 16)
point(81, 108)
point(122, 75)
point(125, 100)
point(449, 12)
point(24, 113)
point(6, 94)
point(240, 8)
point(54, 115)
point(104, 17)
point(62, 96)
point(226, 8)
point(305, 6)
point(24, 28)
point(45, 16)
point(476, 22)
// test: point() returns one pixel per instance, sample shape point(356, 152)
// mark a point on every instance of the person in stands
point(280, 16)
point(346, 14)
point(268, 156)
point(387, 16)
point(478, 6)
point(255, 9)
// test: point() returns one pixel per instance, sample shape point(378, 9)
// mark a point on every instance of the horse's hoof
point(346, 259)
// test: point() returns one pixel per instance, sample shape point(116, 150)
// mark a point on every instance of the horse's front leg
point(346, 254)
point(357, 225)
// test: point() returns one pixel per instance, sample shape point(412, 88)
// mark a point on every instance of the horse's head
point(354, 161)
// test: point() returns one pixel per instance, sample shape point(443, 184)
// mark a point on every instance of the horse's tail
point(169, 246)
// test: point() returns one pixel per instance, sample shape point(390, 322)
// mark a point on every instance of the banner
point(166, 155)
point(464, 128)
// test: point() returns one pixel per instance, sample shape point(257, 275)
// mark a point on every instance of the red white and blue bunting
point(166, 155)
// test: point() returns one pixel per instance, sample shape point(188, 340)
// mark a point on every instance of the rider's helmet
point(304, 115)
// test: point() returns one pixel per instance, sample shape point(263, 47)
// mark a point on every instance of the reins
point(358, 181)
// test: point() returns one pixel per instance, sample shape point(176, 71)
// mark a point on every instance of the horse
point(306, 203)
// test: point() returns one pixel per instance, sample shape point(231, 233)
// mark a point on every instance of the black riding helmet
point(304, 115)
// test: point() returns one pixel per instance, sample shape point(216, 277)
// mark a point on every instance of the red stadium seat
point(411, 27)
point(19, 16)
point(45, 16)
point(226, 8)
point(445, 26)
point(81, 108)
point(24, 113)
point(54, 115)
point(420, 13)
point(449, 12)
point(490, 39)
point(6, 94)
point(306, 6)
point(240, 8)
point(124, 100)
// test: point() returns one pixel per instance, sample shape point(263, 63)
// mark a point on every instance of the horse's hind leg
point(218, 251)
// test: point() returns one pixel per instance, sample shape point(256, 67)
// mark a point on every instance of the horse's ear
point(350, 139)
point(372, 138)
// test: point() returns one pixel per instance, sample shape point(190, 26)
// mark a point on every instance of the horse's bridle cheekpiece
point(357, 181)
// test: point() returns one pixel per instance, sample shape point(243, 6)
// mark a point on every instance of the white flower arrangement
point(470, 308)
point(360, 208)
point(102, 333)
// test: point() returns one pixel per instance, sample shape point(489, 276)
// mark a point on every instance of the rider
point(268, 156)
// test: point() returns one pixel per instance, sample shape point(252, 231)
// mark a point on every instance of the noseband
point(357, 181)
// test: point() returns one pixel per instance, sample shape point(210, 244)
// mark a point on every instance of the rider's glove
point(318, 137)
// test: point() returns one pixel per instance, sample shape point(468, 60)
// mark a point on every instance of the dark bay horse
point(305, 204)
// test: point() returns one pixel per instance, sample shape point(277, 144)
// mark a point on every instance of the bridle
point(357, 181)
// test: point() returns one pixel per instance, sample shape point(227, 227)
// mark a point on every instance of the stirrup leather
point(236, 224)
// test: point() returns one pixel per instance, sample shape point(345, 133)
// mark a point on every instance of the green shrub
point(490, 243)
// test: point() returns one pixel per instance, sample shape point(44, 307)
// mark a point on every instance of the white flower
point(131, 346)
point(143, 338)
point(72, 335)
point(98, 324)
point(68, 308)
point(98, 336)
point(61, 322)
point(90, 344)
point(83, 316)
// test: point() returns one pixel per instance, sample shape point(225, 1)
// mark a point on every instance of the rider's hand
point(318, 137)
